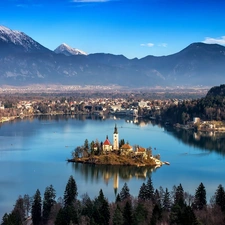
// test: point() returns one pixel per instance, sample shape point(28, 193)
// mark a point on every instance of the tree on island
point(86, 145)
point(121, 143)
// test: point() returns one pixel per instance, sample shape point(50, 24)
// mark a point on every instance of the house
point(141, 152)
point(126, 149)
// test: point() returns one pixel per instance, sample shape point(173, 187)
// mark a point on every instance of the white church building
point(107, 146)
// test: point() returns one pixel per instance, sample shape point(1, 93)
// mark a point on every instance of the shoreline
point(118, 160)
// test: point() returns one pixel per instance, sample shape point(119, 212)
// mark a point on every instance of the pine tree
point(166, 201)
point(117, 216)
point(156, 214)
point(184, 215)
point(149, 189)
point(142, 192)
point(127, 214)
point(188, 217)
point(86, 144)
point(125, 192)
point(11, 219)
point(179, 196)
point(48, 202)
point(101, 214)
point(156, 198)
point(118, 199)
point(60, 218)
point(175, 214)
point(140, 214)
point(103, 208)
point(70, 193)
point(87, 206)
point(36, 208)
point(220, 197)
point(200, 197)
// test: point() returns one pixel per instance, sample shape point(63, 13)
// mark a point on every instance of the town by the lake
point(117, 149)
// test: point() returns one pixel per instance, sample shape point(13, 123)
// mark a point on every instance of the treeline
point(152, 206)
point(211, 107)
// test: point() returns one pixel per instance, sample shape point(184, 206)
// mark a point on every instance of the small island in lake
point(118, 153)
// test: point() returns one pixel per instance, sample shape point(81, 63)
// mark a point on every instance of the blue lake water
point(33, 155)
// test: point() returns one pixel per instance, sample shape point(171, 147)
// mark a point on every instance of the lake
point(33, 155)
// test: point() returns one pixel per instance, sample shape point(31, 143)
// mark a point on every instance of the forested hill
point(211, 107)
point(217, 91)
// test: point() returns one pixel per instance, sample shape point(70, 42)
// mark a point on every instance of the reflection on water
point(105, 173)
point(33, 154)
point(213, 141)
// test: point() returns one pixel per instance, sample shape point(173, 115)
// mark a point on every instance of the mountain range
point(24, 61)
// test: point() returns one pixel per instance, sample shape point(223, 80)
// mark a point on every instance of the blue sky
point(134, 28)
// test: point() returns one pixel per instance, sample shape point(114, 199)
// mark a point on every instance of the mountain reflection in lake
point(33, 155)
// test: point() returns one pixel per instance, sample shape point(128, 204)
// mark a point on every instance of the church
point(107, 146)
point(125, 149)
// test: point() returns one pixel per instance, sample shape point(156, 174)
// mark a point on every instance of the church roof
point(126, 146)
point(107, 142)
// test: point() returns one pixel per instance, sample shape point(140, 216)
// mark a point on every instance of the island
point(118, 153)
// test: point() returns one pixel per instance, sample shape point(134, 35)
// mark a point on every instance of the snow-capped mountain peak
point(68, 51)
point(19, 39)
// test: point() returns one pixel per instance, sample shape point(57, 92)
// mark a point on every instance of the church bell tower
point(115, 139)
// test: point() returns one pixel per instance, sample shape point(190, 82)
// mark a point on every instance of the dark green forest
point(211, 107)
point(150, 207)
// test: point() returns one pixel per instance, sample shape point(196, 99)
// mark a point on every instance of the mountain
point(68, 51)
point(197, 64)
point(18, 42)
point(25, 61)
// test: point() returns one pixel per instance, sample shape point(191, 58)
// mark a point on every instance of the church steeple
point(115, 139)
point(115, 130)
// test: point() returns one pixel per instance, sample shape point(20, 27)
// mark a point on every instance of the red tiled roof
point(107, 142)
point(140, 149)
point(126, 146)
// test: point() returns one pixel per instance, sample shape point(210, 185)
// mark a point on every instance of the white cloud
point(163, 45)
point(220, 40)
point(147, 45)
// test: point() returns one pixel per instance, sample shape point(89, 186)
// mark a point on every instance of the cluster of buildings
point(125, 149)
point(202, 125)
